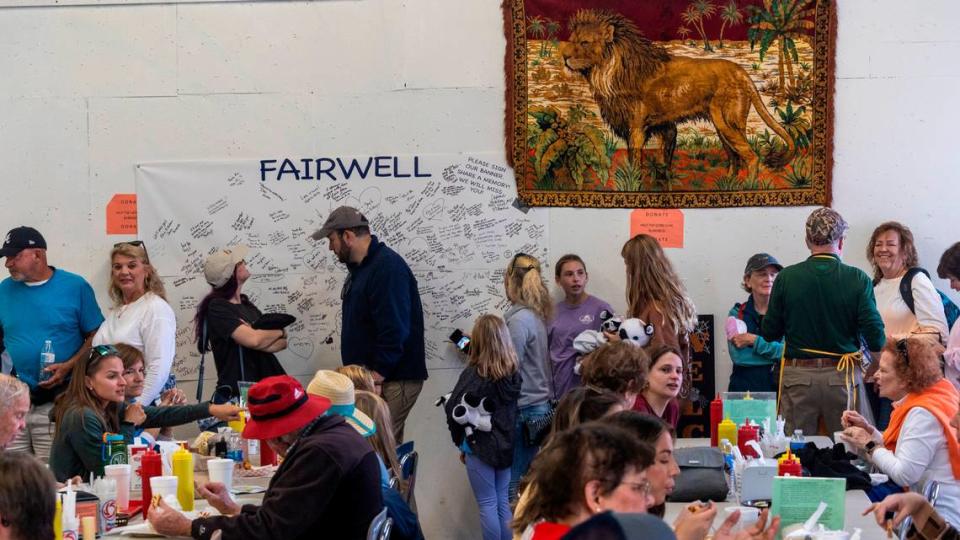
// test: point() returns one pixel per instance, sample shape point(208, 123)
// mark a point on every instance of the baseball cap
point(761, 260)
point(825, 226)
point(279, 405)
point(344, 217)
point(21, 238)
point(219, 267)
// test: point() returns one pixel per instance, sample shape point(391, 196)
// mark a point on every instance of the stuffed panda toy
point(633, 330)
point(474, 413)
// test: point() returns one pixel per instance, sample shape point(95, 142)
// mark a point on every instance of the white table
point(856, 500)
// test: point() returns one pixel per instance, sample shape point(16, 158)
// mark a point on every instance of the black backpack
point(906, 292)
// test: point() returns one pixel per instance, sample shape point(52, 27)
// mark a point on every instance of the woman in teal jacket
point(755, 360)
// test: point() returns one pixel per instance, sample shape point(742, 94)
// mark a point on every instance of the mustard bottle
point(727, 430)
point(183, 470)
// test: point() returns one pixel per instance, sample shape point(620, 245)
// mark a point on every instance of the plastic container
point(748, 432)
point(114, 449)
point(716, 416)
point(150, 466)
point(47, 359)
point(166, 487)
point(183, 470)
point(797, 442)
point(727, 430)
point(221, 470)
point(120, 474)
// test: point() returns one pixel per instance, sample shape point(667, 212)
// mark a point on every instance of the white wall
point(86, 92)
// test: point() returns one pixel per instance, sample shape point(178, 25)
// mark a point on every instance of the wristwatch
point(871, 446)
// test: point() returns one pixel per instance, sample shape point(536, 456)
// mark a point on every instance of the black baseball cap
point(21, 238)
point(761, 260)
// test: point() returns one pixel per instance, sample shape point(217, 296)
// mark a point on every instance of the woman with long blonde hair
point(481, 415)
point(141, 317)
point(382, 439)
point(531, 308)
point(656, 295)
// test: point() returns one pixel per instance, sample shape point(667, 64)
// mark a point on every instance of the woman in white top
point(892, 252)
point(141, 316)
point(920, 444)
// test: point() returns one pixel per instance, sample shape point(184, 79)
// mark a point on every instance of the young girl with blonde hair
point(531, 307)
point(490, 386)
point(656, 295)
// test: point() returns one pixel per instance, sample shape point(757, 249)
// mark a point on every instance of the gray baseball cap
point(344, 217)
point(761, 260)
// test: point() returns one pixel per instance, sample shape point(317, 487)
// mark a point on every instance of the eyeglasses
point(135, 243)
point(643, 487)
point(102, 351)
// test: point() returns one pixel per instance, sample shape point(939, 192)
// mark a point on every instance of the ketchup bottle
point(150, 466)
point(716, 416)
point(267, 455)
point(748, 432)
point(789, 464)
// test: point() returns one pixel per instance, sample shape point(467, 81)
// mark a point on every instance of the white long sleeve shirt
point(898, 320)
point(149, 325)
point(921, 456)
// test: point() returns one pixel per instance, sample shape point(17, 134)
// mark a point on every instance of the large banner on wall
point(670, 103)
point(452, 217)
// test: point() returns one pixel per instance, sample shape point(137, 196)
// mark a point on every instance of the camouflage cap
point(825, 226)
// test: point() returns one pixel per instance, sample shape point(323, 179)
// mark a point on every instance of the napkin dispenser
point(756, 480)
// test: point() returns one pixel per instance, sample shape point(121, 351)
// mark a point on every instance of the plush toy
point(633, 330)
point(474, 413)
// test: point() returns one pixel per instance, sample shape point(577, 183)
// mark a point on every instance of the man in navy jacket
point(382, 314)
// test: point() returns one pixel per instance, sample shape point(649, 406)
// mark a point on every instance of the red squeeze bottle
point(748, 432)
point(267, 456)
point(716, 416)
point(789, 464)
point(150, 466)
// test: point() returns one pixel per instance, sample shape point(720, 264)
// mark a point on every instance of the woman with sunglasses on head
point(224, 321)
point(530, 309)
point(95, 404)
point(141, 317)
point(919, 444)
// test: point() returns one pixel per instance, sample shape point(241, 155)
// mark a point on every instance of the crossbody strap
point(203, 354)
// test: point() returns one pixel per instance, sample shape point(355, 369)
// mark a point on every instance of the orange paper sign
point(122, 214)
point(665, 225)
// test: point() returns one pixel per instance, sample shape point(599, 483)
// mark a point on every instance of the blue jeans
point(490, 488)
point(522, 453)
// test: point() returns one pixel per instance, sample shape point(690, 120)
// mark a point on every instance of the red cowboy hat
point(279, 405)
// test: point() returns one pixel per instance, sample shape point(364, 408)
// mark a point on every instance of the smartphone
point(461, 340)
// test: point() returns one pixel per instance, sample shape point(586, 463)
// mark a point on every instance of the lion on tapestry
point(643, 91)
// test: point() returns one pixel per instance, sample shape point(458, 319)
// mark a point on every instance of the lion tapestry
point(670, 103)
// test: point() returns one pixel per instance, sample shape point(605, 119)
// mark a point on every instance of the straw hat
point(338, 388)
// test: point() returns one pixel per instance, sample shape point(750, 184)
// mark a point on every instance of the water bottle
point(797, 442)
point(47, 359)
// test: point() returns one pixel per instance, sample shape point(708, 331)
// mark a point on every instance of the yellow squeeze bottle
point(58, 519)
point(727, 430)
point(238, 425)
point(183, 470)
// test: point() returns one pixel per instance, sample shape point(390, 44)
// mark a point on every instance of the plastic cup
point(120, 474)
point(846, 446)
point(748, 516)
point(164, 485)
point(221, 470)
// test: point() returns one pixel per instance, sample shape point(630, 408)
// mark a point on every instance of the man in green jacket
point(822, 307)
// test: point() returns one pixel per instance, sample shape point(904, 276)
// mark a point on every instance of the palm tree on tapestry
point(731, 15)
point(697, 12)
point(683, 32)
point(783, 22)
point(553, 28)
point(537, 29)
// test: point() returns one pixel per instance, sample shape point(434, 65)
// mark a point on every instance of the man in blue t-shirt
point(40, 303)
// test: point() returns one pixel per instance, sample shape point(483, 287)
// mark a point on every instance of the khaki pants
point(810, 393)
point(37, 437)
point(400, 397)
